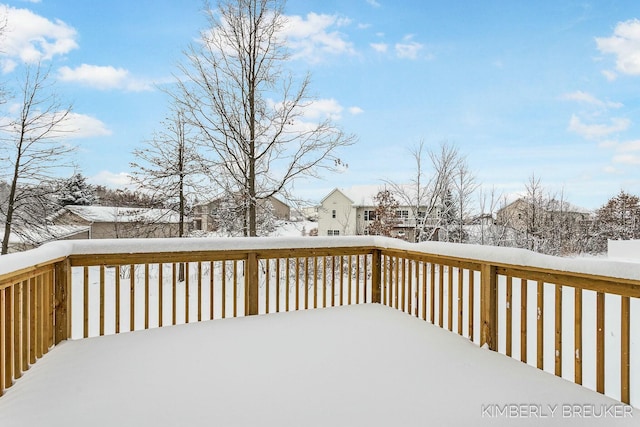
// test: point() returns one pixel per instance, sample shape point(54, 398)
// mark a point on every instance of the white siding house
point(350, 211)
point(337, 215)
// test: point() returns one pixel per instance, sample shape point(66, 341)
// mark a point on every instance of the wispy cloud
point(408, 48)
point(588, 98)
point(625, 45)
point(380, 47)
point(594, 131)
point(356, 110)
point(323, 108)
point(627, 159)
point(316, 36)
point(31, 38)
point(622, 147)
point(609, 75)
point(103, 78)
point(373, 3)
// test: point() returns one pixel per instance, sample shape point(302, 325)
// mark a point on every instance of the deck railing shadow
point(562, 316)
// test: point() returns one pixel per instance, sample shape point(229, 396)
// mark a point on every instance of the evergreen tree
point(76, 191)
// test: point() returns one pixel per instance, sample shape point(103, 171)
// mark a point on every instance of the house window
point(333, 213)
point(422, 214)
point(402, 214)
point(369, 215)
point(333, 232)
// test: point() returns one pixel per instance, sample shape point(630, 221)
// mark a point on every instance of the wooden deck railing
point(96, 289)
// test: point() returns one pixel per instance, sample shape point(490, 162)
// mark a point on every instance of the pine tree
point(76, 191)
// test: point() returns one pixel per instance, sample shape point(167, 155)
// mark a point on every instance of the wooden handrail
point(200, 281)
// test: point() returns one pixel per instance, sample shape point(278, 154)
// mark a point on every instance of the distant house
point(25, 239)
point(517, 213)
point(350, 211)
point(206, 216)
point(107, 222)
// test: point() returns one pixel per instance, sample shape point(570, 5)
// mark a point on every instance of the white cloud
point(408, 48)
point(373, 3)
point(102, 77)
point(621, 147)
point(316, 36)
point(356, 110)
point(379, 47)
point(30, 38)
point(627, 159)
point(625, 45)
point(83, 126)
point(597, 130)
point(308, 116)
point(587, 98)
point(611, 170)
point(609, 75)
point(110, 179)
point(322, 109)
point(74, 126)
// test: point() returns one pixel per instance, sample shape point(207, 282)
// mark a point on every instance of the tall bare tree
point(492, 232)
point(431, 184)
point(464, 185)
point(169, 166)
point(32, 148)
point(249, 109)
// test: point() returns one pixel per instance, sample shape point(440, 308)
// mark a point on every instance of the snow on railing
point(569, 312)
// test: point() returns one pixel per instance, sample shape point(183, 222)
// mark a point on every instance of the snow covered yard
point(367, 365)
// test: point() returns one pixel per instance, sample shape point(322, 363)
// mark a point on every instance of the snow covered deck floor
point(365, 365)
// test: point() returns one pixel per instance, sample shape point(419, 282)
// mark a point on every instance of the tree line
point(448, 204)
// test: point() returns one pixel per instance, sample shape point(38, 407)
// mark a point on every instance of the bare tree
point(535, 213)
point(384, 215)
point(426, 192)
point(617, 219)
point(32, 148)
point(249, 109)
point(492, 232)
point(464, 185)
point(169, 166)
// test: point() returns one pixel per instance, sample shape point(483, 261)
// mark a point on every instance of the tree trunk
point(12, 200)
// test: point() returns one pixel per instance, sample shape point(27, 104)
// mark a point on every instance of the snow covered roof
point(44, 234)
point(123, 214)
point(364, 195)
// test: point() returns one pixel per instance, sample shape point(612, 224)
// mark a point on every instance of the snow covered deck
point(364, 365)
point(575, 318)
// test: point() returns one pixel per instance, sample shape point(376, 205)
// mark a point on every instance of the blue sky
point(520, 87)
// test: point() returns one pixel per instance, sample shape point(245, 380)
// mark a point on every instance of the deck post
point(489, 306)
point(62, 302)
point(376, 276)
point(251, 285)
